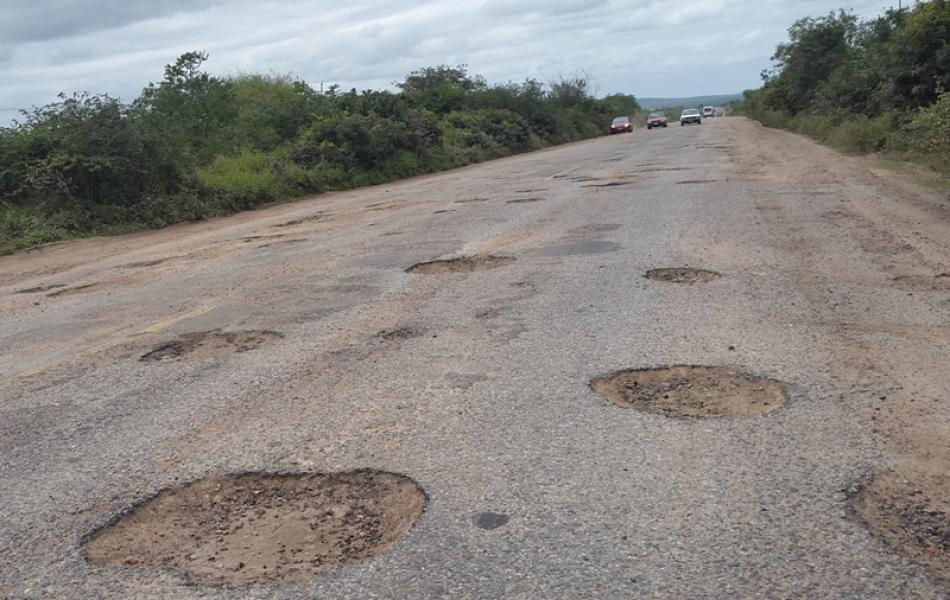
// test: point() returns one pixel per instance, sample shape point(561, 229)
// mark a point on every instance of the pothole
point(206, 344)
point(402, 333)
point(281, 243)
point(682, 275)
point(940, 281)
point(691, 392)
point(610, 184)
point(41, 288)
point(262, 528)
point(301, 220)
point(595, 228)
point(61, 291)
point(153, 262)
point(462, 264)
point(911, 513)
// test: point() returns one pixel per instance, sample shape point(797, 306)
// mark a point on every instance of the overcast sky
point(644, 47)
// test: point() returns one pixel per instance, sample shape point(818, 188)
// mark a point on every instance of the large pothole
point(206, 344)
point(682, 275)
point(462, 264)
point(911, 512)
point(691, 392)
point(260, 528)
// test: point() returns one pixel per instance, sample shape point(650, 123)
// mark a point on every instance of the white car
point(691, 115)
point(708, 112)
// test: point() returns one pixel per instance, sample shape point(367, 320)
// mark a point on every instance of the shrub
point(862, 134)
point(249, 176)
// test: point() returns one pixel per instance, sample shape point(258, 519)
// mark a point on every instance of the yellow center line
point(162, 325)
point(155, 328)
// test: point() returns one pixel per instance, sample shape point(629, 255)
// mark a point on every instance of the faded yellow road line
point(155, 328)
point(162, 325)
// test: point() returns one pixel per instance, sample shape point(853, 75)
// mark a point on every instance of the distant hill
point(697, 101)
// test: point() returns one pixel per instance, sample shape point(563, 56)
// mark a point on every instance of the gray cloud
point(645, 47)
point(31, 21)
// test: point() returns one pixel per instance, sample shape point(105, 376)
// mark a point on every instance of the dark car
point(656, 120)
point(691, 115)
point(621, 125)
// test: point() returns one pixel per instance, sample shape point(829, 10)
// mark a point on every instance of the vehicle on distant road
point(621, 125)
point(691, 115)
point(708, 112)
point(656, 120)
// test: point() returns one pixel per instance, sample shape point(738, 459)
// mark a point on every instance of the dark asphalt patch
point(525, 200)
point(682, 275)
point(490, 520)
point(691, 392)
point(262, 528)
point(206, 344)
point(576, 248)
point(463, 264)
point(470, 200)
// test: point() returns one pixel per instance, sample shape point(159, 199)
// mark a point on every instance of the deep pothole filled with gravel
point(691, 392)
point(910, 511)
point(206, 344)
point(262, 528)
point(462, 264)
point(682, 275)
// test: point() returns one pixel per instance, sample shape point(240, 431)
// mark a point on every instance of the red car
point(621, 125)
point(656, 120)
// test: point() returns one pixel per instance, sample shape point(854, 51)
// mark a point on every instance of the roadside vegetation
point(194, 145)
point(878, 85)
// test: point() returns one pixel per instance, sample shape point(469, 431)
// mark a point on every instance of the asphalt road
point(833, 283)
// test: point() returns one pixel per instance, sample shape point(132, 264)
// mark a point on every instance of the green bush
point(248, 176)
point(862, 134)
point(21, 227)
point(926, 138)
point(929, 131)
point(194, 145)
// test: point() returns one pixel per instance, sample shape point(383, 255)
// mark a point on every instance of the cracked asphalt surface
point(836, 281)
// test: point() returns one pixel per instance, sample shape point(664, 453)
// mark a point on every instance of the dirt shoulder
point(871, 250)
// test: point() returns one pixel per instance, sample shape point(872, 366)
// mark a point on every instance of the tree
point(440, 89)
point(190, 108)
point(816, 48)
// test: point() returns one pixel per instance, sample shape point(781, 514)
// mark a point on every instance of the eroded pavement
point(138, 372)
